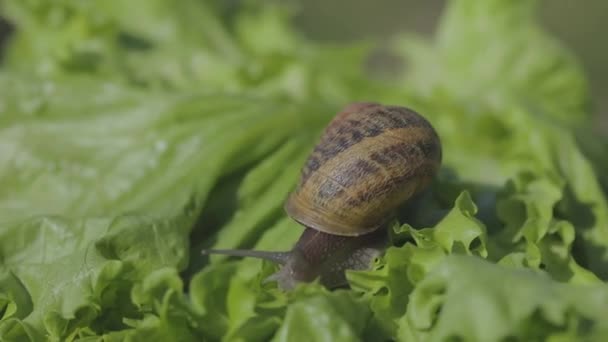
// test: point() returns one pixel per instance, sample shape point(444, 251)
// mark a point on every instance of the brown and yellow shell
point(371, 159)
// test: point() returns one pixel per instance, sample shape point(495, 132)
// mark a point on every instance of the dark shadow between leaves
point(430, 207)
point(585, 251)
point(219, 209)
point(6, 29)
point(220, 206)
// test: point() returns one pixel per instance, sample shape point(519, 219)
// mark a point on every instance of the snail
point(370, 160)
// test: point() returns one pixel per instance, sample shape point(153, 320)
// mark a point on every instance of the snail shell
point(370, 159)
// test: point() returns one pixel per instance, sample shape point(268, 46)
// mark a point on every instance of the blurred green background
point(580, 25)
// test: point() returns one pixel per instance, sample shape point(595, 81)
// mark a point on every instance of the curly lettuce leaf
point(469, 299)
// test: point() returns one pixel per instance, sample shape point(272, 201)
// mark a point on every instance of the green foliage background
point(579, 26)
point(132, 134)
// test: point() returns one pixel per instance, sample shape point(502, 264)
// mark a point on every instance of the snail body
point(370, 160)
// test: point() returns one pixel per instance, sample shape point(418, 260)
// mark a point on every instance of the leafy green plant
point(132, 134)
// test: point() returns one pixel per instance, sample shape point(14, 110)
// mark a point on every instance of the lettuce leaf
point(495, 52)
point(522, 305)
point(58, 237)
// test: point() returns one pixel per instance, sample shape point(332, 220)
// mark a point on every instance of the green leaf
point(495, 52)
point(329, 317)
point(469, 299)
